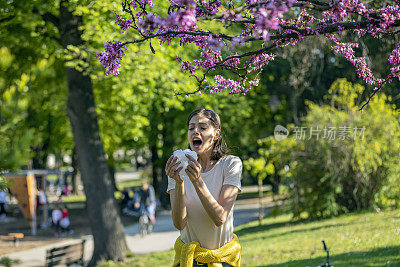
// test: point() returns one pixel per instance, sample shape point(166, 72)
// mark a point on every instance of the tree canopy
point(258, 27)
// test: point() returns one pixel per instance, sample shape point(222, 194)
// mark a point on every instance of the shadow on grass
point(258, 228)
point(297, 231)
point(385, 256)
point(265, 227)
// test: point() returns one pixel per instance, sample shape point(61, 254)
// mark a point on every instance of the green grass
point(7, 262)
point(363, 239)
point(74, 198)
point(358, 239)
point(82, 198)
point(118, 195)
point(137, 183)
point(129, 184)
point(249, 195)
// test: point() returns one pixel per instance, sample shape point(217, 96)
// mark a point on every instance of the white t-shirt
point(199, 226)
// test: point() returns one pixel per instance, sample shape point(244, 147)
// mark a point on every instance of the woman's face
point(201, 134)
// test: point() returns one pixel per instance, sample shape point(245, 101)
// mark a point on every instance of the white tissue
point(184, 160)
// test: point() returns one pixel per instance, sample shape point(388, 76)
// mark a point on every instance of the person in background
point(42, 200)
point(42, 206)
point(3, 202)
point(125, 199)
point(56, 216)
point(65, 222)
point(148, 200)
point(66, 189)
point(135, 202)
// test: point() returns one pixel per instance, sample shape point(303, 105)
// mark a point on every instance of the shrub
point(350, 162)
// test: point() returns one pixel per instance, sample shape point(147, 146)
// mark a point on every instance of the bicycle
point(327, 264)
point(145, 224)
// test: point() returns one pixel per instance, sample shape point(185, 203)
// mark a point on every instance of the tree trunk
point(260, 201)
point(155, 167)
point(105, 222)
point(168, 143)
point(75, 177)
point(111, 169)
point(276, 181)
point(293, 99)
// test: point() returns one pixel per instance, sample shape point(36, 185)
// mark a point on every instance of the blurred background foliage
point(139, 116)
point(352, 164)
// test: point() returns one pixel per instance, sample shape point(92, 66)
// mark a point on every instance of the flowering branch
point(266, 24)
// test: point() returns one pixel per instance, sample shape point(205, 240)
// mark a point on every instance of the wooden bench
point(66, 254)
point(16, 237)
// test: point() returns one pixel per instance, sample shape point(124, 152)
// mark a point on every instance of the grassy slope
point(362, 239)
point(365, 239)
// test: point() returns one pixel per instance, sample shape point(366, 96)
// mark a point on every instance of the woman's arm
point(178, 205)
point(152, 194)
point(217, 210)
point(177, 194)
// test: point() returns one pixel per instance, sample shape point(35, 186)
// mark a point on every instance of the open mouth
point(197, 143)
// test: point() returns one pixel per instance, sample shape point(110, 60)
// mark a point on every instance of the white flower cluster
point(184, 160)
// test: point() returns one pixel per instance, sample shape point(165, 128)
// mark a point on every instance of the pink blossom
point(363, 71)
point(123, 22)
point(187, 66)
point(111, 56)
point(266, 22)
point(395, 72)
point(254, 82)
point(394, 57)
point(259, 61)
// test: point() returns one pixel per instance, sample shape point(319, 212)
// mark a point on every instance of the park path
point(162, 238)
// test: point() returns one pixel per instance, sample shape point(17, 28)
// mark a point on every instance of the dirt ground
point(18, 224)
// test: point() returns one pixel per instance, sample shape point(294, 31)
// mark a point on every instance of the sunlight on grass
point(118, 195)
point(74, 198)
point(364, 239)
point(358, 239)
point(129, 184)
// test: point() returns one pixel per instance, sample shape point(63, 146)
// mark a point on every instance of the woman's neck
point(205, 161)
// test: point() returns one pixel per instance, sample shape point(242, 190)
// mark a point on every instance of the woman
point(202, 206)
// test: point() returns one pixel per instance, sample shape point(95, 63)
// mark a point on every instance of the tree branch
point(332, 28)
point(318, 5)
point(302, 32)
point(369, 98)
point(199, 33)
point(315, 2)
point(7, 18)
point(48, 17)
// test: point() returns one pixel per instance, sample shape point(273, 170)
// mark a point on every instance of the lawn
point(137, 183)
point(118, 195)
point(358, 239)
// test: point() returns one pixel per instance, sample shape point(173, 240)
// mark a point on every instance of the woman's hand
point(194, 169)
point(171, 168)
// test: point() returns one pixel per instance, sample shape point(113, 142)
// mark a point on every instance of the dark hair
point(220, 149)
